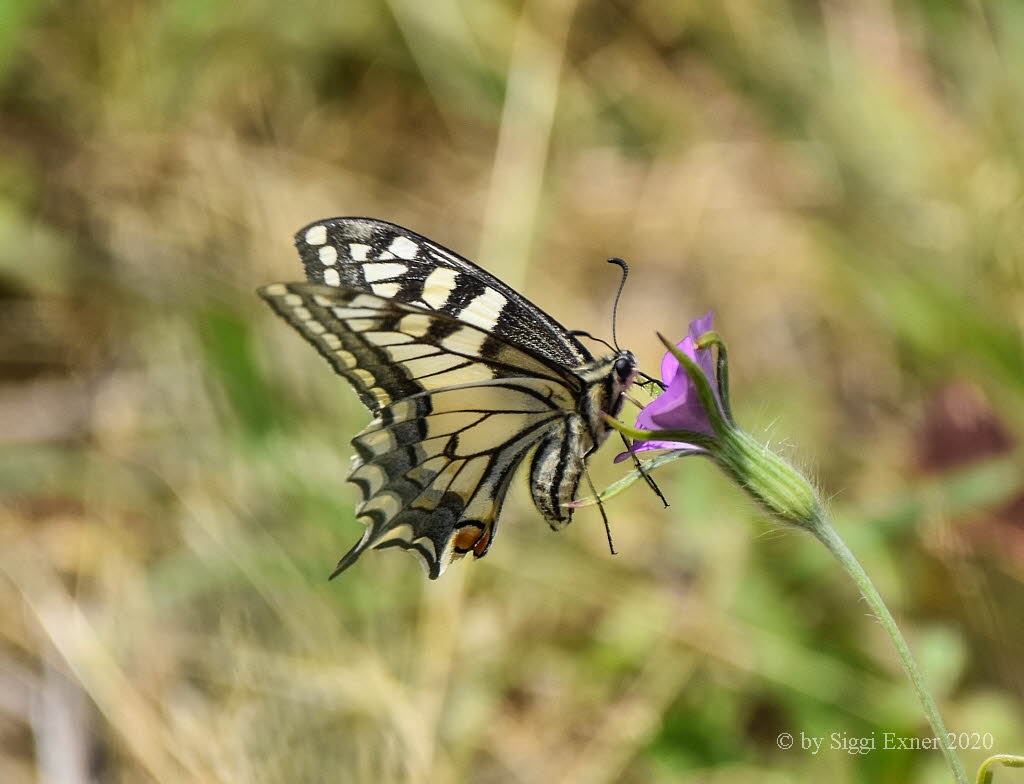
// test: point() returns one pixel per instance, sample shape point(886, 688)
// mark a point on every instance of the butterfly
point(464, 378)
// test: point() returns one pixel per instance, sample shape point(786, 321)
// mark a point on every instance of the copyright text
point(883, 741)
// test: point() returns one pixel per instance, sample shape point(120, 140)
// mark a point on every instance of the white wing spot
point(402, 533)
point(275, 289)
point(331, 277)
point(365, 376)
point(365, 301)
point(386, 502)
point(347, 358)
point(358, 251)
point(484, 310)
point(302, 314)
point(465, 341)
point(291, 299)
point(379, 442)
point(331, 341)
point(470, 374)
point(425, 472)
point(415, 324)
point(386, 255)
point(386, 289)
point(328, 255)
point(435, 363)
point(352, 313)
point(362, 324)
point(438, 286)
point(372, 474)
point(403, 247)
point(316, 235)
point(316, 328)
point(387, 338)
point(375, 272)
point(405, 351)
point(425, 541)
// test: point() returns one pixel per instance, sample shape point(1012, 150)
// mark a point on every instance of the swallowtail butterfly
point(463, 376)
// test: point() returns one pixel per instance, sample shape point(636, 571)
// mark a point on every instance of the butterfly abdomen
point(556, 469)
point(560, 459)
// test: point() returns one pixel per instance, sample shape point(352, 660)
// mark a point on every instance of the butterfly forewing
point(393, 262)
point(389, 350)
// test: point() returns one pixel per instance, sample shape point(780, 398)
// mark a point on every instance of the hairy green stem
point(828, 537)
point(789, 497)
point(1009, 760)
point(782, 490)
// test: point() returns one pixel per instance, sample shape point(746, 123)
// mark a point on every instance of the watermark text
point(883, 741)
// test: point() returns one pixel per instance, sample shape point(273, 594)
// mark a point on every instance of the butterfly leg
point(604, 515)
point(640, 467)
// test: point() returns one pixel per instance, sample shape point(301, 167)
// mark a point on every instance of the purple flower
point(679, 406)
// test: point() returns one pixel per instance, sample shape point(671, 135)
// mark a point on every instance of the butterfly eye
point(623, 368)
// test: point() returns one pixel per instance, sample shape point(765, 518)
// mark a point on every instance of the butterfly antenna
point(600, 505)
point(615, 311)
point(622, 283)
point(584, 334)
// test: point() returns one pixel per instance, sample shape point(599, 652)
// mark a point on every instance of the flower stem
point(828, 537)
point(1009, 760)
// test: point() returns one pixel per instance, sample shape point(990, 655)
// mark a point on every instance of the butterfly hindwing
point(433, 469)
point(393, 262)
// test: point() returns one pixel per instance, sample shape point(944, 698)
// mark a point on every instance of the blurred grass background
point(841, 182)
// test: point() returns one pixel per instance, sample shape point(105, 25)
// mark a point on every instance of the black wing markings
point(391, 261)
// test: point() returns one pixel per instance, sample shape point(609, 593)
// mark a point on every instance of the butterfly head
point(606, 381)
point(624, 372)
point(625, 368)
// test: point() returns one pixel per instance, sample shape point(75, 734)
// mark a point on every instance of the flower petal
point(705, 323)
point(704, 357)
point(688, 345)
point(673, 396)
point(679, 407)
point(669, 363)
